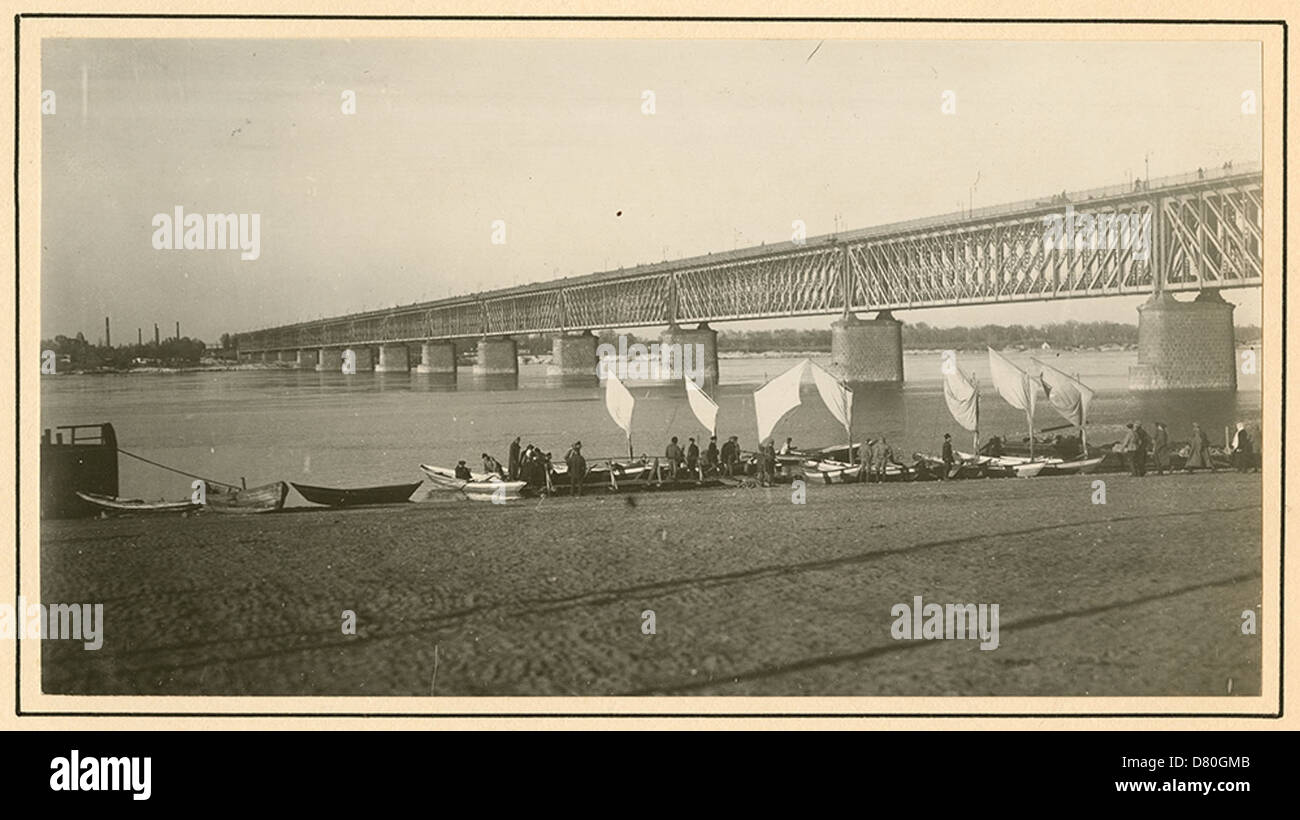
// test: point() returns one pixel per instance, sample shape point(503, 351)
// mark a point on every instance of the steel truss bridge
point(1203, 230)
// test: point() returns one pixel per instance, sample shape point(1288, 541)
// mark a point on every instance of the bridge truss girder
point(1196, 235)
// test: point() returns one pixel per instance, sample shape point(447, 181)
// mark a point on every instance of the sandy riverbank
point(752, 594)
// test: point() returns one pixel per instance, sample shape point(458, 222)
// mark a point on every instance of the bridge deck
point(1197, 230)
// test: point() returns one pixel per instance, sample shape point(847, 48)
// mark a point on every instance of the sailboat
point(1021, 392)
point(1071, 398)
point(963, 398)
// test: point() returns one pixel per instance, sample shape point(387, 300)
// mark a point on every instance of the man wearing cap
point(577, 468)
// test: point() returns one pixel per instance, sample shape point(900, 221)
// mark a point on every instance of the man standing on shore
point(730, 455)
point(513, 459)
point(1160, 448)
point(1129, 447)
point(948, 458)
point(1140, 454)
point(673, 455)
point(865, 450)
point(767, 460)
point(1243, 454)
point(692, 455)
point(883, 455)
point(577, 468)
point(711, 456)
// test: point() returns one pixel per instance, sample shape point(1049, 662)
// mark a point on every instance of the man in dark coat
point(577, 468)
point(948, 458)
point(711, 456)
point(513, 459)
point(768, 461)
point(1160, 448)
point(1243, 453)
point(730, 455)
point(1140, 455)
point(692, 455)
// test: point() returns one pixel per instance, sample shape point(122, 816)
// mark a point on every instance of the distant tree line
point(918, 336)
point(82, 355)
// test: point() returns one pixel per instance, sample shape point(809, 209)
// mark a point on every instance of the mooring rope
point(182, 472)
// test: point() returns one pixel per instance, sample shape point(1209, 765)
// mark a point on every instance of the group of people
point(1138, 446)
point(714, 460)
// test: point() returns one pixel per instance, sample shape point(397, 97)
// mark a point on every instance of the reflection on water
point(376, 428)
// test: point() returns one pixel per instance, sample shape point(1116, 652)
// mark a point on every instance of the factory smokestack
point(156, 342)
point(139, 337)
point(108, 339)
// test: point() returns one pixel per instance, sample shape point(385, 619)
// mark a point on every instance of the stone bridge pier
point(868, 351)
point(1185, 345)
point(393, 359)
point(437, 357)
point(497, 356)
point(698, 353)
point(573, 357)
point(329, 360)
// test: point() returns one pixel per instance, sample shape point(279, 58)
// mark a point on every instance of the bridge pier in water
point(868, 351)
point(363, 359)
point(330, 360)
point(437, 357)
point(393, 359)
point(573, 357)
point(1185, 345)
point(702, 359)
point(497, 356)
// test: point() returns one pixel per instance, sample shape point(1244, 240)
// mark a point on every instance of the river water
point(336, 430)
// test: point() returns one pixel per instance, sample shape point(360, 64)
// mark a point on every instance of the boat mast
point(975, 383)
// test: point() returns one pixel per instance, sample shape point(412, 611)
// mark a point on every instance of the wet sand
point(752, 594)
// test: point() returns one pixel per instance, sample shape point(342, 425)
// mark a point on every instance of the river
point(336, 430)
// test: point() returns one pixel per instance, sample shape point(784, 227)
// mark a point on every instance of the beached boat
point(1071, 466)
point(480, 487)
point(249, 501)
point(112, 504)
point(357, 496)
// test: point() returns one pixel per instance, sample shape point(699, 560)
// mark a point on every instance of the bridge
point(1198, 232)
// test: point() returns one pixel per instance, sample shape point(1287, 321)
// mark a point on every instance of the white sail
point(704, 408)
point(1016, 387)
point(963, 400)
point(1012, 383)
point(1068, 395)
point(776, 398)
point(837, 398)
point(619, 402)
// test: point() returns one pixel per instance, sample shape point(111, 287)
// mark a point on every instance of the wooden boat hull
point(1079, 465)
point(250, 501)
point(112, 504)
point(358, 496)
point(491, 489)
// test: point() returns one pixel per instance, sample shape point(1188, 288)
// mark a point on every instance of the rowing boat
point(353, 497)
point(108, 503)
point(249, 501)
point(487, 487)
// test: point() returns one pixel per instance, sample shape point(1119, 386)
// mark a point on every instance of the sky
point(396, 203)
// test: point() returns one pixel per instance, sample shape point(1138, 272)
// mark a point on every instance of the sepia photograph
point(501, 363)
